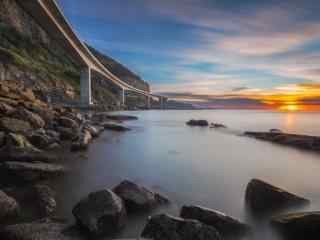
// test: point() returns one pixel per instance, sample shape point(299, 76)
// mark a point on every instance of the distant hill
point(120, 70)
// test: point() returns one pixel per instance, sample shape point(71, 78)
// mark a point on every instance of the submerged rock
point(37, 231)
point(166, 227)
point(200, 123)
point(305, 225)
point(137, 197)
point(262, 197)
point(30, 171)
point(8, 206)
point(100, 213)
point(14, 125)
point(226, 225)
point(115, 127)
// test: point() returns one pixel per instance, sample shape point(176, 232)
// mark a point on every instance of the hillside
point(30, 58)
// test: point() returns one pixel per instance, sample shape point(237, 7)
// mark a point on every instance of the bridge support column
point(148, 102)
point(161, 102)
point(85, 87)
point(123, 100)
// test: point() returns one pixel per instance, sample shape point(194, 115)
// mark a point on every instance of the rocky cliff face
point(31, 59)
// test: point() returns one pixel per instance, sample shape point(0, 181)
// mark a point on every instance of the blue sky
point(207, 47)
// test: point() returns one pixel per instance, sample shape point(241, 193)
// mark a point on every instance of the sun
point(290, 108)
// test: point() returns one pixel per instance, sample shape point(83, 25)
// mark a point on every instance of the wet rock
point(262, 197)
point(165, 227)
point(68, 123)
point(40, 140)
point(100, 213)
point(44, 198)
point(137, 197)
point(14, 125)
point(83, 141)
point(217, 125)
point(6, 109)
point(25, 171)
point(37, 231)
point(105, 117)
point(2, 139)
point(8, 206)
point(34, 119)
point(227, 226)
point(200, 123)
point(115, 127)
point(305, 225)
point(67, 134)
point(95, 131)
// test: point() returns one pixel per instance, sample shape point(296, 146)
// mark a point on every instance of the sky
point(214, 53)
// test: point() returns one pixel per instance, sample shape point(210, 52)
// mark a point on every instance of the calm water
point(198, 165)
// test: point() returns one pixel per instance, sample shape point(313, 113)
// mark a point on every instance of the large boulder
point(8, 206)
point(262, 197)
point(14, 125)
point(83, 141)
point(40, 140)
point(115, 127)
point(305, 225)
point(67, 134)
point(25, 171)
point(44, 197)
point(37, 231)
point(138, 197)
point(200, 123)
point(100, 213)
point(34, 119)
point(68, 123)
point(165, 227)
point(227, 226)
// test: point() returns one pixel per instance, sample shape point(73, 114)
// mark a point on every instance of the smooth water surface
point(193, 165)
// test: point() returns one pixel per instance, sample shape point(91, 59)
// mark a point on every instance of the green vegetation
point(17, 49)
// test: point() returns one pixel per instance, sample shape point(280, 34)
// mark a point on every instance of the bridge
point(50, 17)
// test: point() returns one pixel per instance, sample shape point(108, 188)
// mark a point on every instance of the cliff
point(30, 58)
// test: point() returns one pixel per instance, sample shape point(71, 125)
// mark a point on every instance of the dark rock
point(44, 198)
point(95, 131)
point(68, 123)
point(105, 117)
point(53, 134)
point(305, 225)
point(67, 134)
point(100, 213)
point(200, 123)
point(137, 197)
point(217, 125)
point(115, 127)
point(34, 119)
point(2, 139)
point(165, 227)
point(37, 231)
point(262, 197)
point(14, 125)
point(83, 141)
point(8, 206)
point(226, 225)
point(20, 141)
point(41, 141)
point(31, 171)
point(274, 130)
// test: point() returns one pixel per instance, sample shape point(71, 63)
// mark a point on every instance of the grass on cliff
point(19, 50)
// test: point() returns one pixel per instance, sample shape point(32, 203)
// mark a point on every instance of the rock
point(94, 131)
point(83, 141)
point(115, 127)
point(6, 109)
point(226, 225)
point(25, 171)
point(53, 134)
point(105, 117)
point(274, 130)
point(20, 141)
point(217, 125)
point(137, 197)
point(305, 225)
point(8, 206)
point(67, 134)
point(14, 125)
point(36, 231)
point(262, 197)
point(34, 119)
point(40, 140)
point(2, 139)
point(200, 123)
point(165, 227)
point(101, 212)
point(68, 123)
point(44, 198)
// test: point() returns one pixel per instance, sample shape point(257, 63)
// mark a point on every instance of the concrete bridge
point(48, 15)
